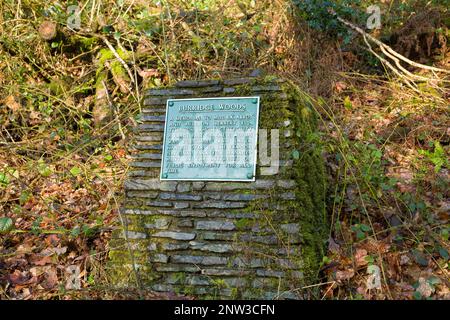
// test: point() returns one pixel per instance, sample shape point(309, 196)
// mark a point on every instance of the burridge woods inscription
point(210, 139)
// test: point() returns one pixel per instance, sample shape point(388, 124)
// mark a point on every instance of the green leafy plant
point(318, 14)
point(4, 180)
point(361, 230)
point(437, 157)
point(6, 225)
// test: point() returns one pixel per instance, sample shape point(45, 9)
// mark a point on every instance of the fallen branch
point(387, 50)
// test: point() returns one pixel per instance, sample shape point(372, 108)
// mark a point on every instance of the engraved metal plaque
point(210, 139)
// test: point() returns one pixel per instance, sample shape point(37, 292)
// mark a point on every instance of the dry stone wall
point(260, 239)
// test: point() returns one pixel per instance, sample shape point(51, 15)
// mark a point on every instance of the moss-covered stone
point(277, 239)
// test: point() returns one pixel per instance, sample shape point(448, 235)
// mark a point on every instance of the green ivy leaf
point(420, 258)
point(365, 228)
point(6, 225)
point(348, 103)
point(75, 171)
point(417, 295)
point(4, 180)
point(444, 253)
point(43, 169)
point(444, 234)
point(360, 235)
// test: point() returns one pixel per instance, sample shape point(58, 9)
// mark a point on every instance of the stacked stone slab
point(261, 239)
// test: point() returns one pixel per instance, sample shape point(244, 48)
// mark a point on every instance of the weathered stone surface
point(142, 194)
point(286, 184)
point(201, 260)
point(160, 287)
point(266, 88)
point(173, 92)
point(181, 205)
point(141, 146)
point(292, 228)
point(264, 184)
point(151, 156)
point(150, 127)
point(146, 164)
point(270, 239)
point(170, 246)
point(225, 272)
point(288, 196)
point(189, 280)
point(185, 223)
point(241, 215)
point(159, 257)
point(218, 236)
point(196, 83)
point(184, 213)
point(150, 138)
point(150, 184)
point(142, 173)
point(175, 235)
point(177, 268)
point(134, 235)
point(198, 185)
point(155, 101)
point(242, 262)
point(154, 110)
point(263, 282)
point(203, 246)
point(212, 89)
point(270, 273)
point(243, 196)
point(160, 223)
point(237, 81)
point(139, 212)
point(212, 195)
point(150, 118)
point(216, 186)
point(229, 90)
point(184, 187)
point(219, 205)
point(258, 184)
point(236, 282)
point(166, 204)
point(215, 225)
point(261, 228)
point(180, 196)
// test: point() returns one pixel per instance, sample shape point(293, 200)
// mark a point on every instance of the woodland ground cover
point(71, 91)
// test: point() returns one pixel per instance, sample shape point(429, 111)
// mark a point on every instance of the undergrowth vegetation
point(70, 99)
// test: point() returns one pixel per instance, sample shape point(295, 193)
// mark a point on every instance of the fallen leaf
point(12, 103)
point(60, 251)
point(18, 277)
point(43, 261)
point(52, 240)
point(344, 274)
point(360, 257)
point(147, 73)
point(51, 279)
point(333, 246)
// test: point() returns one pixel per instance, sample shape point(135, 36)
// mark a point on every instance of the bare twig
point(387, 50)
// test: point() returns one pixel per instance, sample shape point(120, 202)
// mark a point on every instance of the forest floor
point(68, 106)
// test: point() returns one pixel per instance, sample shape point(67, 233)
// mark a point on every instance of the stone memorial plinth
point(226, 239)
